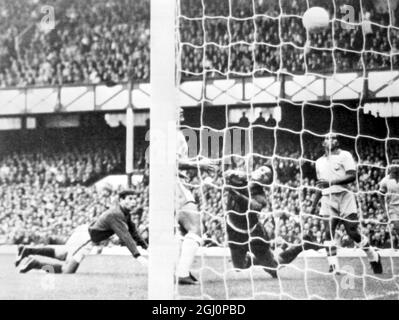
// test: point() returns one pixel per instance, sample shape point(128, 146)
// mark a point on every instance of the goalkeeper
point(116, 220)
point(247, 239)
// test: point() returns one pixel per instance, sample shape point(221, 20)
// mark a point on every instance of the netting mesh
point(234, 40)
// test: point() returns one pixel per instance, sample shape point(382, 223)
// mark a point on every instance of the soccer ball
point(315, 19)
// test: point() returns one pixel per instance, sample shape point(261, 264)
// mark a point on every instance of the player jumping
point(116, 220)
point(335, 170)
point(389, 188)
point(247, 239)
point(187, 213)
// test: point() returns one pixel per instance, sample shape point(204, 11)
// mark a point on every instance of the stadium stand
point(107, 41)
point(94, 41)
point(47, 191)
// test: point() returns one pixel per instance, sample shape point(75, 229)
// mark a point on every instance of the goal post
point(163, 115)
point(129, 158)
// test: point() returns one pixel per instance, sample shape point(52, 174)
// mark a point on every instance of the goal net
point(258, 89)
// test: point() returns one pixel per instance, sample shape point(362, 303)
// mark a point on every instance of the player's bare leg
point(396, 225)
point(330, 245)
point(46, 251)
point(352, 229)
point(189, 219)
point(395, 228)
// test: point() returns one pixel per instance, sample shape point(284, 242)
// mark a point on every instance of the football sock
point(47, 264)
point(370, 252)
point(333, 261)
point(190, 245)
point(332, 254)
point(41, 251)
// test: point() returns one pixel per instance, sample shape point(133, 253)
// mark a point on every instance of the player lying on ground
point(116, 220)
point(247, 239)
point(389, 198)
point(335, 170)
point(188, 216)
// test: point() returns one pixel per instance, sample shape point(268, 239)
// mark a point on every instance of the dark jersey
point(244, 231)
point(242, 209)
point(116, 221)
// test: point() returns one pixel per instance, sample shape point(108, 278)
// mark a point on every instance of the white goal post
point(163, 117)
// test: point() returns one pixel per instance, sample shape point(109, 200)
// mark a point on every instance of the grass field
point(121, 277)
point(99, 277)
point(294, 283)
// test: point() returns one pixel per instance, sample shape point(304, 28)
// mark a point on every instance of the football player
point(335, 170)
point(116, 220)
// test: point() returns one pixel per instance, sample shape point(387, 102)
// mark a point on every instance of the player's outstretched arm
point(316, 200)
point(137, 237)
point(349, 177)
point(382, 194)
point(203, 164)
point(122, 231)
point(235, 177)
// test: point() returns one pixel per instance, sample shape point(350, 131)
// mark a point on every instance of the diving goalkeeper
point(116, 220)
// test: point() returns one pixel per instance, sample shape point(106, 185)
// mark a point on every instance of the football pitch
point(294, 282)
point(121, 277)
point(99, 277)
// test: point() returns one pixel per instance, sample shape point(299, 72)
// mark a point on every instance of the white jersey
point(334, 166)
point(390, 187)
point(183, 195)
point(182, 147)
point(182, 151)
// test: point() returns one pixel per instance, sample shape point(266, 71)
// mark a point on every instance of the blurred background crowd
point(107, 41)
point(238, 37)
point(287, 216)
point(92, 41)
point(48, 191)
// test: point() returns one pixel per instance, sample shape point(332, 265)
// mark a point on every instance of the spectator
point(244, 121)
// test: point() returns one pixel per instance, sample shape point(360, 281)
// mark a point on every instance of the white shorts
point(183, 196)
point(79, 244)
point(340, 204)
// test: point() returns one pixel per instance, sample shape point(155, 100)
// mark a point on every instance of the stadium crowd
point(92, 41)
point(241, 38)
point(287, 217)
point(107, 41)
point(48, 191)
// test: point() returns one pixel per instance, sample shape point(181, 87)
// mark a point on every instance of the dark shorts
point(255, 242)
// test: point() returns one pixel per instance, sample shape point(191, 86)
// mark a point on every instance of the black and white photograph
point(199, 150)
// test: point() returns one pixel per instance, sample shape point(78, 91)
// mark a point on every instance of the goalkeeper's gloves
point(143, 261)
